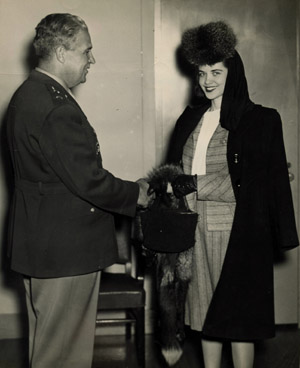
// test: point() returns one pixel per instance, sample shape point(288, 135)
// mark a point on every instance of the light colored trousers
point(62, 314)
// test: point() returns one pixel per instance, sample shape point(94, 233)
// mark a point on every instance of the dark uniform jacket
point(62, 213)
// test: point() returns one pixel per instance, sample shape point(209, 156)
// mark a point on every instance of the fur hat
point(209, 43)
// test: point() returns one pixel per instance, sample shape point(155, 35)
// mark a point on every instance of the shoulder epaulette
point(58, 94)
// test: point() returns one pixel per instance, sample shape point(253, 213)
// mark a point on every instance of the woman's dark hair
point(56, 30)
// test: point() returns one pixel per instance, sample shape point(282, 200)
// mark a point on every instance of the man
point(62, 227)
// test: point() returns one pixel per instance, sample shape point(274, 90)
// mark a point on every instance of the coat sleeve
point(280, 200)
point(215, 187)
point(67, 144)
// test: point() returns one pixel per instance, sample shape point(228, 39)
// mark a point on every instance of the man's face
point(78, 60)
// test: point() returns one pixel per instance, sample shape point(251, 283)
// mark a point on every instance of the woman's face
point(212, 79)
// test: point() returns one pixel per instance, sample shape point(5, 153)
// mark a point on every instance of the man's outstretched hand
point(144, 195)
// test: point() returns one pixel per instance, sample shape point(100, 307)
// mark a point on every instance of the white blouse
point(210, 122)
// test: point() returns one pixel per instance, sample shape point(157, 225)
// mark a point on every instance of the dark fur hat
point(209, 43)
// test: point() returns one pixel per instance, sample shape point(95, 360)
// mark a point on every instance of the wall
point(118, 98)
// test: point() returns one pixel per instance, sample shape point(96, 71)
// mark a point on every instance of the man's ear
point(60, 53)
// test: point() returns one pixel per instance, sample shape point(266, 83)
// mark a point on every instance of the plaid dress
point(215, 204)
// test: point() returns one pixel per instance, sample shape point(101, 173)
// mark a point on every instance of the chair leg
point(128, 326)
point(140, 336)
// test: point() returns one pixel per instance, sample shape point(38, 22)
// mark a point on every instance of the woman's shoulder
point(265, 112)
point(194, 110)
point(191, 114)
point(260, 119)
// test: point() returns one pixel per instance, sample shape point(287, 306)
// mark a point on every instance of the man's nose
point(92, 60)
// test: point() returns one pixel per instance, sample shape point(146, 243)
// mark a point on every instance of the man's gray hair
point(56, 30)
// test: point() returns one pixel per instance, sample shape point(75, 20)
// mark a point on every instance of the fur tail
point(172, 354)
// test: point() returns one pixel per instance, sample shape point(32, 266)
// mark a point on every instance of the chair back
point(123, 233)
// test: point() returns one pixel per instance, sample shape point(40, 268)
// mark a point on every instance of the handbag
point(168, 230)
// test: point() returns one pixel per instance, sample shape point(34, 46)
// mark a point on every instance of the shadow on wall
point(7, 182)
point(195, 94)
point(30, 60)
point(11, 279)
point(191, 73)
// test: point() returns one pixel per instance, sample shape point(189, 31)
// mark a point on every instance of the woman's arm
point(215, 187)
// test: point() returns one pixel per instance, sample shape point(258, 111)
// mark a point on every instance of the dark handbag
point(168, 230)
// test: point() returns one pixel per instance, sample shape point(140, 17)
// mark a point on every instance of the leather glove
point(184, 184)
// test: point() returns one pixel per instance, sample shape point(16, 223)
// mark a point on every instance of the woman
point(236, 178)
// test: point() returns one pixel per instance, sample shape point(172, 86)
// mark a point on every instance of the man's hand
point(144, 196)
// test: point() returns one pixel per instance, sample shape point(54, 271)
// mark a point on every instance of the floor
point(117, 352)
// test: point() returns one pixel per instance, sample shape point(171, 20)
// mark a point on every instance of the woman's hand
point(184, 184)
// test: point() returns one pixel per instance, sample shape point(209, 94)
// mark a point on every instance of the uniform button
point(92, 209)
point(224, 141)
point(238, 183)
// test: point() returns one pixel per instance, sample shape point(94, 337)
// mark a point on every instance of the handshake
point(181, 185)
point(145, 197)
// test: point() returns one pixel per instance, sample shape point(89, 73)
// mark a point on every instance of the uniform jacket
point(62, 213)
point(242, 305)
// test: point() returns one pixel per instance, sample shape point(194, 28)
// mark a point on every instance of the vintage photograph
point(149, 184)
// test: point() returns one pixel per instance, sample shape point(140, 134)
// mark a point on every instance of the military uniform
point(61, 220)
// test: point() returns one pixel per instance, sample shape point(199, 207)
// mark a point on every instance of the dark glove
point(184, 184)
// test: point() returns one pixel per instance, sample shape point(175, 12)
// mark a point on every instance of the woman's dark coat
point(242, 307)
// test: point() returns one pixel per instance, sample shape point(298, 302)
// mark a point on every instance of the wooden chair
point(125, 291)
